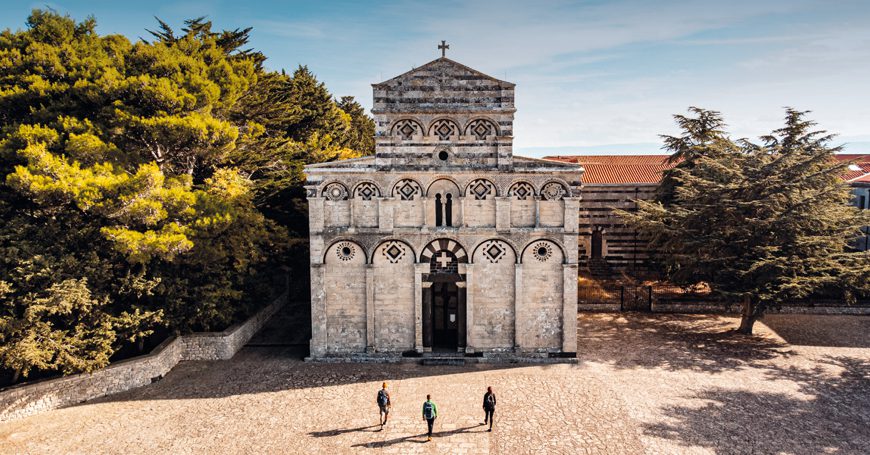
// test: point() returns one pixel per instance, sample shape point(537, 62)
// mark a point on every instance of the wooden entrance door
point(445, 315)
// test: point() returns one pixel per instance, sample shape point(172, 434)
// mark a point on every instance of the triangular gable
point(439, 68)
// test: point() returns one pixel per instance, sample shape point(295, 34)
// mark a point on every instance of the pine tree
point(765, 224)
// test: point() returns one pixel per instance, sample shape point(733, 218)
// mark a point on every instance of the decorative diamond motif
point(481, 128)
point(407, 190)
point(407, 128)
point(394, 252)
point(521, 191)
point(493, 251)
point(444, 129)
point(481, 189)
point(366, 191)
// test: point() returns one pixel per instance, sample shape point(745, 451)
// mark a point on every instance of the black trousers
point(489, 414)
point(430, 423)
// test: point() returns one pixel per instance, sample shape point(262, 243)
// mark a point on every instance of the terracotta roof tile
point(618, 169)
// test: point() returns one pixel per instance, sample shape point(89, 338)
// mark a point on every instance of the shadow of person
point(418, 438)
point(323, 434)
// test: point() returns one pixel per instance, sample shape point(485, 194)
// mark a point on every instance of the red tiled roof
point(619, 168)
point(616, 169)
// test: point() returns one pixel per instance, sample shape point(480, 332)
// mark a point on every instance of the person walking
point(430, 413)
point(384, 404)
point(488, 407)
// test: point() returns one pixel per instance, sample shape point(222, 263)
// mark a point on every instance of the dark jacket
point(486, 404)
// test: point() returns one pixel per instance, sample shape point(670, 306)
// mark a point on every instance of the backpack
point(490, 401)
point(428, 410)
point(382, 398)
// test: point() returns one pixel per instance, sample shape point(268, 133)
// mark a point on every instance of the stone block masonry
point(31, 398)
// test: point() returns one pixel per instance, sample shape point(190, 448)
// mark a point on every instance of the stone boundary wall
point(732, 308)
point(30, 398)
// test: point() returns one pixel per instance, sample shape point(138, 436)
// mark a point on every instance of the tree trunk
point(16, 375)
point(141, 344)
point(748, 317)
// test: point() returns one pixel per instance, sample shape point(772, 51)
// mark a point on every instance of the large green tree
point(137, 179)
point(764, 223)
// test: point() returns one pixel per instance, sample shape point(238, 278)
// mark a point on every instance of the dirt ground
point(658, 384)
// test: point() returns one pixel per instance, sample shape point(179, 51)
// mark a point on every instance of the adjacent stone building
point(444, 240)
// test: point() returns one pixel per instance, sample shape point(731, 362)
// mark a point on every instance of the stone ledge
point(31, 398)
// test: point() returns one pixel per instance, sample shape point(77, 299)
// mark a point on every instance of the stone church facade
point(443, 240)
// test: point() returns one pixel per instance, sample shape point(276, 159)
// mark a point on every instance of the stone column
point(315, 214)
point(426, 217)
point(461, 205)
point(469, 305)
point(419, 270)
point(569, 308)
point(385, 214)
point(518, 308)
point(351, 227)
point(503, 214)
point(572, 214)
point(318, 312)
point(370, 309)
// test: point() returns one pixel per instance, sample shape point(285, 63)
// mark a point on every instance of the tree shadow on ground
point(421, 436)
point(833, 416)
point(672, 342)
point(256, 370)
point(831, 330)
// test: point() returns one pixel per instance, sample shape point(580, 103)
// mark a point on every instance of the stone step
point(453, 361)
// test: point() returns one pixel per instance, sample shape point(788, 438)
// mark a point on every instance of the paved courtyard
point(658, 384)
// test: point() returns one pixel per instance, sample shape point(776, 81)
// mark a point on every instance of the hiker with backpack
point(489, 407)
point(384, 404)
point(430, 412)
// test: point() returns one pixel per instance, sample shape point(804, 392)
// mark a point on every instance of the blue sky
point(591, 76)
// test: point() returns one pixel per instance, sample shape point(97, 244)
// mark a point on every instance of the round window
point(443, 155)
point(345, 251)
point(542, 251)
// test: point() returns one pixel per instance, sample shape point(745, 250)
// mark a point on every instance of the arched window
point(448, 210)
point(438, 210)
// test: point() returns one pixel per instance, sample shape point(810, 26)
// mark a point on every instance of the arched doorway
point(444, 311)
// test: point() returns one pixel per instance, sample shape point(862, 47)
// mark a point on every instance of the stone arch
point(366, 190)
point(494, 256)
point(481, 189)
point(381, 251)
point(344, 295)
point(443, 206)
point(554, 190)
point(392, 266)
point(407, 189)
point(335, 191)
point(481, 128)
point(442, 244)
point(336, 252)
point(442, 178)
point(522, 190)
point(406, 128)
point(444, 129)
point(539, 325)
point(532, 251)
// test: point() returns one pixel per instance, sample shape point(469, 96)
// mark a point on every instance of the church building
point(444, 241)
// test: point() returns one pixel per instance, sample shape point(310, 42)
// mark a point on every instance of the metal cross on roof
point(443, 46)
